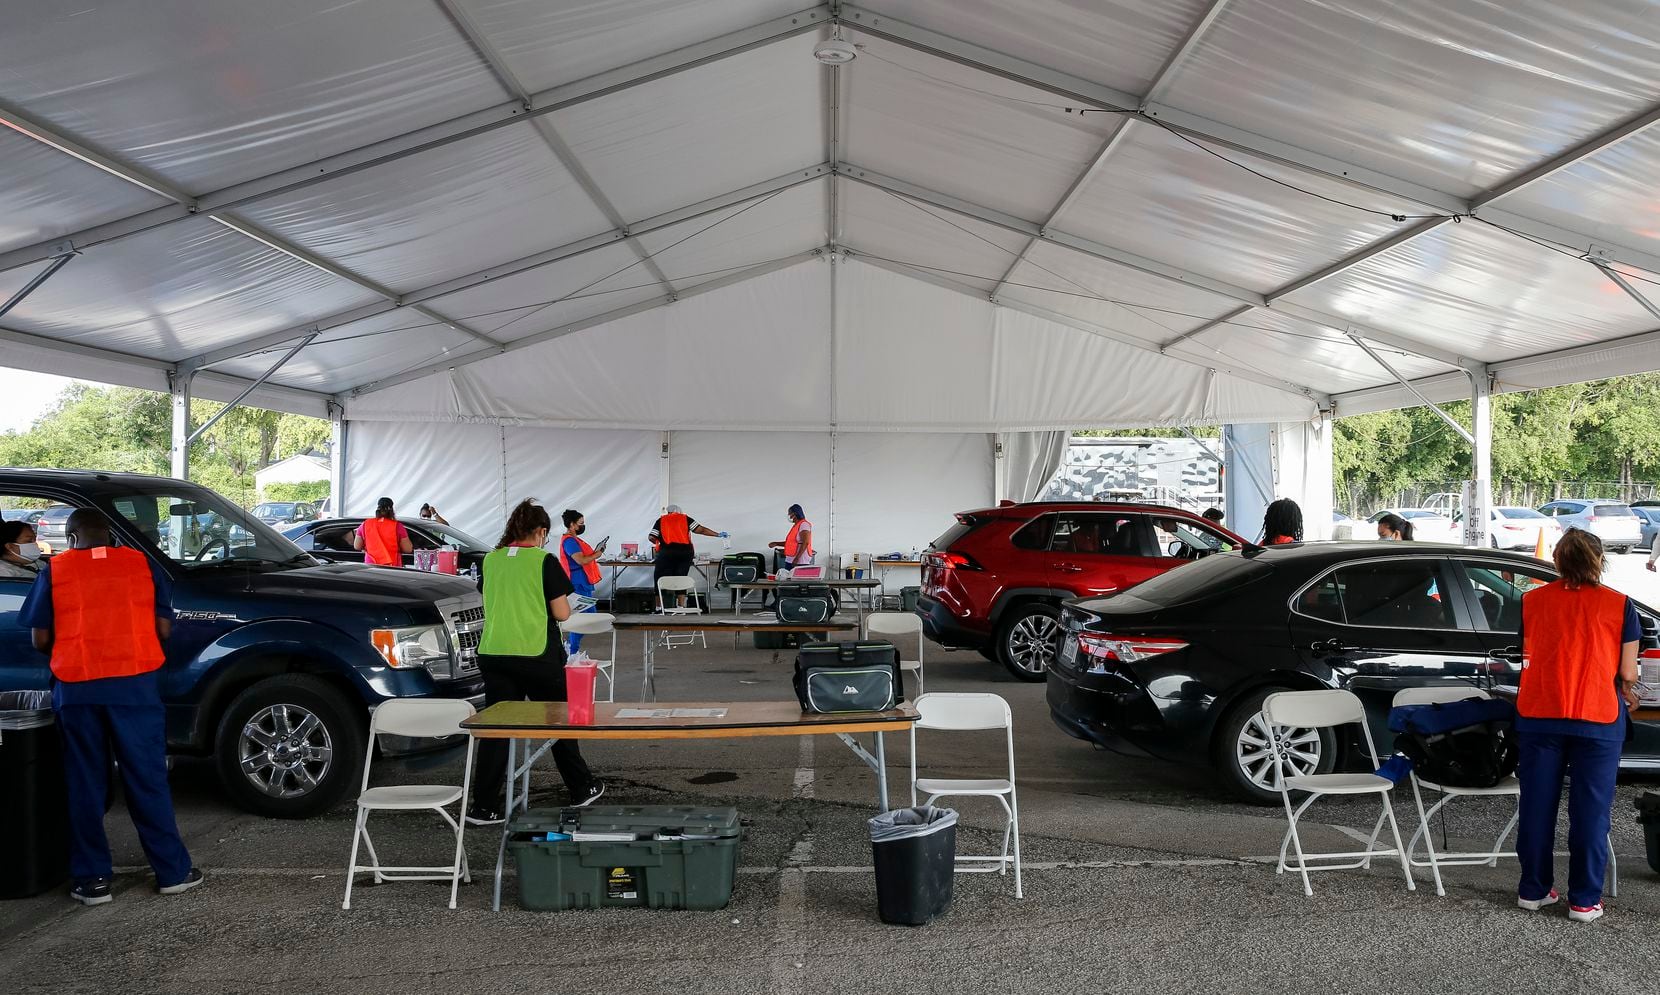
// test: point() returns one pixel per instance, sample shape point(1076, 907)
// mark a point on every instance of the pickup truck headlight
point(423, 646)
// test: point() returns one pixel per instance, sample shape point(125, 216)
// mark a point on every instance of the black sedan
point(1177, 667)
point(331, 539)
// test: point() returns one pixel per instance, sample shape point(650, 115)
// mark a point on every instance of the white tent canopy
point(665, 214)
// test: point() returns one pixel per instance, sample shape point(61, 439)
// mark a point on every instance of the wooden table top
point(727, 623)
point(548, 720)
point(766, 585)
point(893, 563)
point(703, 561)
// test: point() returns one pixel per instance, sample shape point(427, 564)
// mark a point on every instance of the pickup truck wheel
point(289, 746)
point(1028, 640)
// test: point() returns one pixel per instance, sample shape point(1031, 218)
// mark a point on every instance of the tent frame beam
point(452, 364)
point(546, 257)
point(1323, 401)
point(247, 391)
point(439, 135)
point(1404, 382)
point(1120, 132)
point(515, 88)
point(57, 263)
point(1130, 260)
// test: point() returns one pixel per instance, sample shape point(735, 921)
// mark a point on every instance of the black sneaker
point(480, 816)
point(596, 788)
point(93, 892)
point(191, 880)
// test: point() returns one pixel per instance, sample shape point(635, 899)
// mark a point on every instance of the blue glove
point(726, 535)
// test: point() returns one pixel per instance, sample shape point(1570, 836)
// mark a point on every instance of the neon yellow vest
point(515, 606)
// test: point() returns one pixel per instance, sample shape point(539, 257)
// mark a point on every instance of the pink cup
point(579, 693)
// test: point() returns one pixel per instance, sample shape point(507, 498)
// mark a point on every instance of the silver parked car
point(1613, 522)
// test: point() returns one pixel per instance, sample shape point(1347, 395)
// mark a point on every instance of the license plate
point(1069, 648)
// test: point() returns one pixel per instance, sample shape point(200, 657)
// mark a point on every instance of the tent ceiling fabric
point(1280, 136)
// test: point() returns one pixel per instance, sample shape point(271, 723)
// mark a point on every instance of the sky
point(27, 396)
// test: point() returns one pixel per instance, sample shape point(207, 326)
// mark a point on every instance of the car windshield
point(453, 536)
point(1200, 579)
point(1419, 513)
point(273, 510)
point(198, 529)
point(1520, 513)
point(1612, 511)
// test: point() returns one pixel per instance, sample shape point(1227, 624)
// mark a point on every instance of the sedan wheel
point(1254, 752)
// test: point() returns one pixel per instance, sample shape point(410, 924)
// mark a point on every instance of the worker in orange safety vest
point(101, 612)
point(383, 540)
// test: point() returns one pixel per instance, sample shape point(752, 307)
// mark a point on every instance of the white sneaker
point(1578, 914)
point(1535, 905)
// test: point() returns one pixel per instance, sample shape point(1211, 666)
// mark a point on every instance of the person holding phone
point(581, 563)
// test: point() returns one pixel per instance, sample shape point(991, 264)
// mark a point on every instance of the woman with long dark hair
point(1579, 644)
point(1283, 523)
point(1394, 528)
point(521, 655)
point(383, 540)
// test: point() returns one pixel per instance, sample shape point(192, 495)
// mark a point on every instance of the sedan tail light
point(1107, 648)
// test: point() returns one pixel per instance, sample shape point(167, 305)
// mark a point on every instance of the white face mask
point(29, 551)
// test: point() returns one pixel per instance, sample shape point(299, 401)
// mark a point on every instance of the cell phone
point(602, 542)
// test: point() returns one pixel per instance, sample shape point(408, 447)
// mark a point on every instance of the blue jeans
point(137, 736)
point(1591, 766)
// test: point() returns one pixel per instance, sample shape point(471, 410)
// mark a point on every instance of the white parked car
point(1519, 528)
point(1427, 525)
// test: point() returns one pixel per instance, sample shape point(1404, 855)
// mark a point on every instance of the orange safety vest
point(103, 614)
point(792, 542)
point(591, 568)
point(1571, 653)
point(380, 542)
point(675, 530)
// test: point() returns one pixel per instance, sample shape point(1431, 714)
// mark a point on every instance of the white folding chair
point(964, 712)
point(669, 592)
point(1508, 788)
point(901, 625)
point(427, 718)
point(587, 624)
point(1325, 710)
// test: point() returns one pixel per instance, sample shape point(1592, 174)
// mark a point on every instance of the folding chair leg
point(1008, 830)
point(1498, 844)
point(1372, 842)
point(1296, 839)
point(1014, 818)
point(369, 843)
point(1613, 869)
point(1429, 842)
point(1395, 831)
point(459, 866)
point(351, 863)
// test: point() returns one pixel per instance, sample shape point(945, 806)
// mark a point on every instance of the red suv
point(995, 580)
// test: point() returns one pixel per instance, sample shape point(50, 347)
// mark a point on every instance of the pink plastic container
point(448, 561)
point(579, 692)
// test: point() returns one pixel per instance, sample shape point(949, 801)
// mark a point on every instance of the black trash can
point(1648, 816)
point(34, 807)
point(915, 851)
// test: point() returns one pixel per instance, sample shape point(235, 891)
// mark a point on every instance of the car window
point(1111, 535)
point(1179, 537)
point(1612, 511)
point(337, 538)
point(1519, 513)
point(1499, 591)
point(420, 539)
point(1381, 594)
point(1034, 534)
point(455, 537)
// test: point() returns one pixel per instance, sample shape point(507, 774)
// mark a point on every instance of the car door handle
point(1328, 646)
point(1510, 654)
point(1070, 568)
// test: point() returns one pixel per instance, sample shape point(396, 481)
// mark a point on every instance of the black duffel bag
point(805, 603)
point(1461, 744)
point(861, 676)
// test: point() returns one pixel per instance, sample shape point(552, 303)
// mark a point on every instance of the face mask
point(581, 529)
point(29, 551)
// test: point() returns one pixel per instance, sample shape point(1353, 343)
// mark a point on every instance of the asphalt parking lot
point(1139, 876)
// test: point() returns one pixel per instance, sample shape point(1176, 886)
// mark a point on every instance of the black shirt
point(555, 584)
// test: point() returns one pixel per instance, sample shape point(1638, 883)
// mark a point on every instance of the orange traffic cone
point(1539, 549)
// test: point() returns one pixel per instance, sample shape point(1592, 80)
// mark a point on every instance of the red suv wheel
point(1028, 640)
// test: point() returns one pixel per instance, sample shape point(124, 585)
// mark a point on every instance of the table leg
point(882, 770)
point(645, 664)
point(501, 848)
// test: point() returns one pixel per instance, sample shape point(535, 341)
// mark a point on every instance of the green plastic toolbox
point(655, 856)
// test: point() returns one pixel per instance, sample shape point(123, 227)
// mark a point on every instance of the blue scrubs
point(580, 585)
point(123, 715)
point(1588, 754)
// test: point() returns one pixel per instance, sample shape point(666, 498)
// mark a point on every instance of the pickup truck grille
point(464, 617)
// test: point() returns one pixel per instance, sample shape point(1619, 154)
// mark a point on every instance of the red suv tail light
point(955, 561)
point(1108, 648)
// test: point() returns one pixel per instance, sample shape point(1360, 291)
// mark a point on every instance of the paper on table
point(644, 713)
point(698, 713)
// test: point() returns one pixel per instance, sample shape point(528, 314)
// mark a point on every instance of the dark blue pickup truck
point(276, 657)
